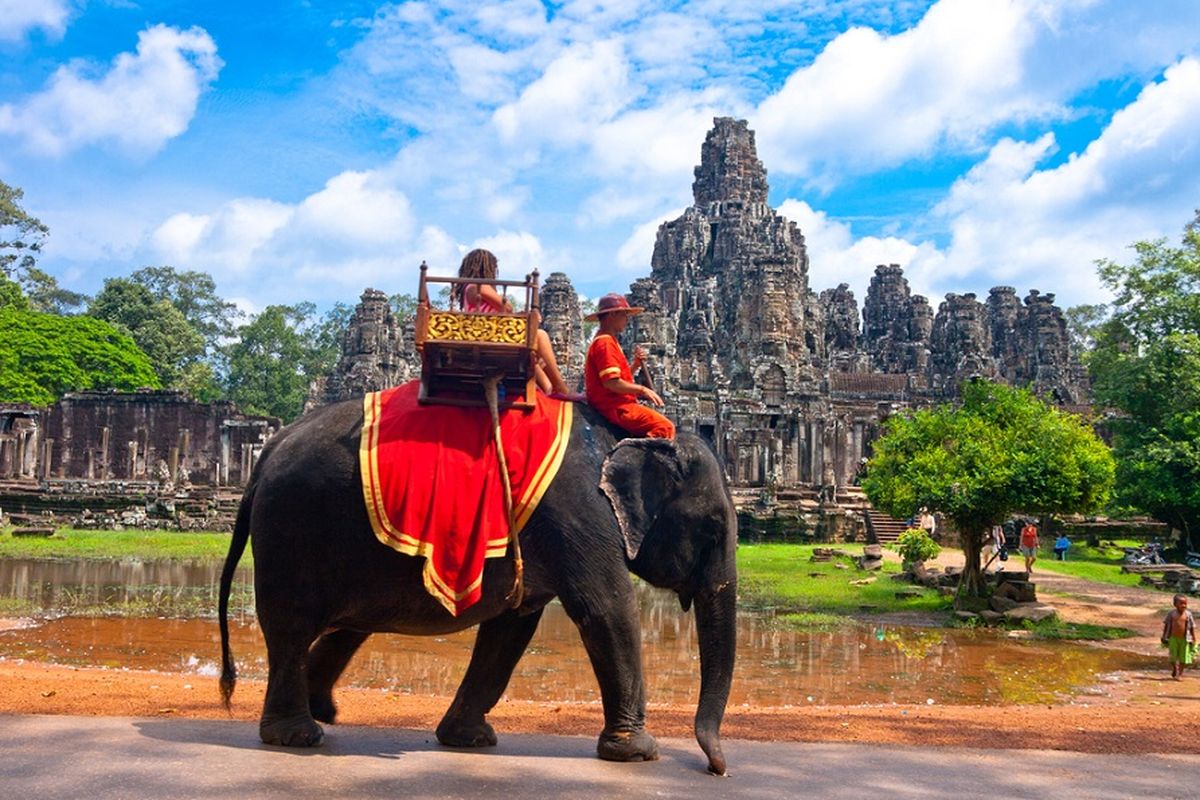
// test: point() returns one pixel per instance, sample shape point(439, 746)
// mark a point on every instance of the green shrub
point(916, 545)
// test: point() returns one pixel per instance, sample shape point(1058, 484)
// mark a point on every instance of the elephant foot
point(627, 746)
point(296, 731)
point(456, 733)
point(322, 708)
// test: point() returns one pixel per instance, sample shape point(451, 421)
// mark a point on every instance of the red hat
point(610, 303)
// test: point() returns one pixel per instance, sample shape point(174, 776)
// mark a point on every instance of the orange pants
point(641, 421)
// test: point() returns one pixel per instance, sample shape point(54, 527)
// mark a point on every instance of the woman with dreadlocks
point(484, 298)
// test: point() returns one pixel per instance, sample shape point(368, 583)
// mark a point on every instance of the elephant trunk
point(716, 622)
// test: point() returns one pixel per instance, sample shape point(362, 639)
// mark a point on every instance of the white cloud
point(356, 231)
point(517, 253)
point(1014, 223)
point(635, 253)
point(588, 84)
point(145, 99)
point(19, 17)
point(870, 100)
point(970, 67)
point(836, 256)
point(229, 240)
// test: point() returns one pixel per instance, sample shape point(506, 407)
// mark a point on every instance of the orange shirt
point(606, 360)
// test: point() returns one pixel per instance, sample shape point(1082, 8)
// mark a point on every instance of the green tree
point(45, 356)
point(21, 240)
point(195, 295)
point(276, 357)
point(1001, 450)
point(11, 295)
point(21, 235)
point(157, 326)
point(1083, 323)
point(404, 307)
point(1146, 367)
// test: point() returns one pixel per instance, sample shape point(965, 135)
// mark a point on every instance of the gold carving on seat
point(490, 328)
point(463, 352)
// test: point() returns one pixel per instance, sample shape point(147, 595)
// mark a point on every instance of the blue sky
point(307, 150)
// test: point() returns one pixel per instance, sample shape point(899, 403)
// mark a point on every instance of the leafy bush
point(44, 356)
point(916, 545)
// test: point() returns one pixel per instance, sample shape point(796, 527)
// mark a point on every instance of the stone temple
point(789, 384)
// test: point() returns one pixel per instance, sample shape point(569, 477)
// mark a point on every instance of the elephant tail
point(237, 546)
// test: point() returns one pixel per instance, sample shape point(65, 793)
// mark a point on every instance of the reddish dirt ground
point(1143, 713)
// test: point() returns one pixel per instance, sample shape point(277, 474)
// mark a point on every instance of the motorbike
point(1149, 553)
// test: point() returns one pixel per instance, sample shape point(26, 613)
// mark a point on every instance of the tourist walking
point(1029, 544)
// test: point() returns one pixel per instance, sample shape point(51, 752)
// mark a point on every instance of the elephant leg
point(612, 637)
point(499, 645)
point(326, 661)
point(286, 718)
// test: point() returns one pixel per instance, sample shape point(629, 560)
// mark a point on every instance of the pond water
point(776, 665)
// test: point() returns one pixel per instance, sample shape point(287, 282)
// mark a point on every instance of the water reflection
point(776, 666)
point(162, 587)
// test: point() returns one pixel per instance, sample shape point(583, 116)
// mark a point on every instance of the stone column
point(105, 441)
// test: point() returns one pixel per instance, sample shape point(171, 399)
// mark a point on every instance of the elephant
point(659, 509)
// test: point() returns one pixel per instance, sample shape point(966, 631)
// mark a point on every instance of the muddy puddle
point(776, 666)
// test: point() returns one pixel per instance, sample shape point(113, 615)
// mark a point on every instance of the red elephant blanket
point(431, 481)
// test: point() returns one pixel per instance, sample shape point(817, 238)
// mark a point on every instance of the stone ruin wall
point(140, 459)
point(162, 437)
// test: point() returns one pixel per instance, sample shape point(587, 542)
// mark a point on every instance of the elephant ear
point(638, 477)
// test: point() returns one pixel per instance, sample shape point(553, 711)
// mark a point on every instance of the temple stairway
point(882, 528)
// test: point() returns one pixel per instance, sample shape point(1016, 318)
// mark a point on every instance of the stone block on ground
point(43, 533)
point(1020, 591)
point(966, 616)
point(873, 551)
point(908, 594)
point(1001, 604)
point(1004, 576)
point(1034, 612)
point(971, 603)
point(991, 617)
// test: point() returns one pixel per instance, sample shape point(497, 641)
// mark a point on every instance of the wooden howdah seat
point(460, 349)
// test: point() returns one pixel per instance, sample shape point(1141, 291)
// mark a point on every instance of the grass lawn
point(817, 595)
point(1101, 564)
point(70, 543)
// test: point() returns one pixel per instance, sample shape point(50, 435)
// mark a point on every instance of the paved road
point(98, 758)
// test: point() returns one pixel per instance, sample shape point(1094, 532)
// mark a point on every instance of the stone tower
point(374, 355)
point(564, 324)
point(732, 279)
